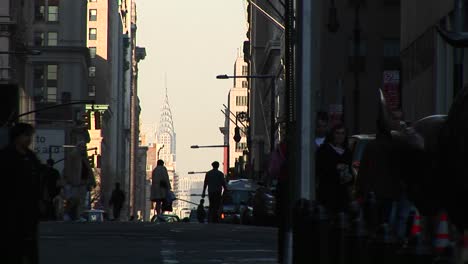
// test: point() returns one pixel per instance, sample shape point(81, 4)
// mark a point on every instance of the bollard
point(356, 249)
point(337, 240)
point(321, 232)
point(302, 231)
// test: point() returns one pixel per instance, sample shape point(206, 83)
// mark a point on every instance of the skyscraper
point(166, 135)
point(166, 141)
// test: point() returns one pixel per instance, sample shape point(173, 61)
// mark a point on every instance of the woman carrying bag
point(160, 187)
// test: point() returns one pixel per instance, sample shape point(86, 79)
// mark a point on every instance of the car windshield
point(360, 146)
point(236, 197)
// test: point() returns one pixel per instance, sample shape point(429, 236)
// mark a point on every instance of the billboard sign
point(391, 89)
point(50, 140)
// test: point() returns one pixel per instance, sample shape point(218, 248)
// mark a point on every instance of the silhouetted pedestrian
point(160, 186)
point(321, 129)
point(214, 180)
point(201, 213)
point(333, 166)
point(116, 201)
point(50, 188)
point(21, 202)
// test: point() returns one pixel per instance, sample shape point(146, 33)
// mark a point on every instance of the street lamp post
point(226, 166)
point(159, 151)
point(197, 172)
point(272, 99)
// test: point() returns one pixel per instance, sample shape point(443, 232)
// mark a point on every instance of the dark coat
point(376, 173)
point(117, 199)
point(331, 193)
point(21, 181)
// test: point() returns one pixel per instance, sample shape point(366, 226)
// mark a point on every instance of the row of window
point(46, 39)
point(46, 10)
point(241, 100)
point(45, 82)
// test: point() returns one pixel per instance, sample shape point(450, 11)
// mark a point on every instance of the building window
point(39, 10)
point(46, 9)
point(241, 100)
point(93, 15)
point(92, 90)
point(92, 52)
point(45, 83)
point(245, 70)
point(245, 84)
point(391, 48)
point(92, 34)
point(39, 39)
point(53, 11)
point(52, 38)
point(92, 71)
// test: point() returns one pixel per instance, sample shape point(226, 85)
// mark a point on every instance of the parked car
point(264, 207)
point(357, 144)
point(237, 202)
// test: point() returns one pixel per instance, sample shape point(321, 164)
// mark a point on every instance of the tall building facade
point(56, 77)
point(45, 66)
point(98, 41)
point(427, 59)
point(15, 55)
point(190, 189)
point(359, 54)
point(63, 54)
point(236, 116)
point(263, 52)
point(358, 45)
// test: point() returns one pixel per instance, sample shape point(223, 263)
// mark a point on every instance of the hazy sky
point(191, 41)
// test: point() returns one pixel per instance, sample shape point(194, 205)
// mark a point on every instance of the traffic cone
point(417, 241)
point(442, 239)
point(416, 227)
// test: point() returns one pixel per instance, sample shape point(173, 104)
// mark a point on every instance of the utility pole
point(357, 69)
point(458, 53)
point(307, 76)
point(286, 235)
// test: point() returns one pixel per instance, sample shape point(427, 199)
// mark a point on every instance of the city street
point(155, 243)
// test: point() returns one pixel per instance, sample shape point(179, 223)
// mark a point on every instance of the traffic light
point(237, 136)
point(91, 161)
point(87, 120)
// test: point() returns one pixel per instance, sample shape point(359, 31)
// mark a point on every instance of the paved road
point(135, 243)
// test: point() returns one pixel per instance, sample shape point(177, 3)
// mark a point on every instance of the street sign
point(46, 140)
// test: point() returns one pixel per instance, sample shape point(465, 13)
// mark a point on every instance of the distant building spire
point(166, 134)
point(165, 85)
